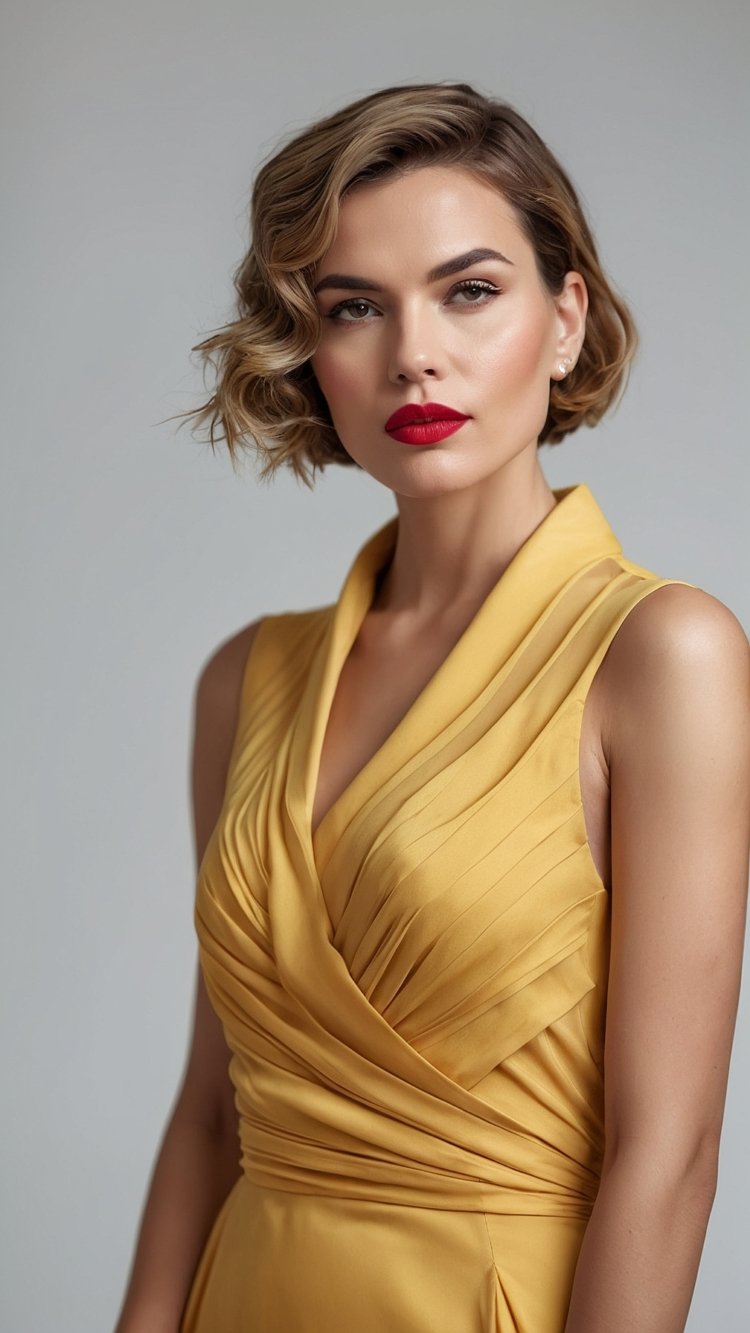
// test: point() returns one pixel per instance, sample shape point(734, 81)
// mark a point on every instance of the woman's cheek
point(336, 376)
point(516, 355)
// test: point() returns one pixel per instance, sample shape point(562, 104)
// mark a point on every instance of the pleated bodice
point(415, 995)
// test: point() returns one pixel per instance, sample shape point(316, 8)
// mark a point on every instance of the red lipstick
point(424, 423)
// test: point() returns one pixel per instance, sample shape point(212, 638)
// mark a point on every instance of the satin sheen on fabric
point(415, 995)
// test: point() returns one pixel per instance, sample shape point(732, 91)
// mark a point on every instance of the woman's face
point(483, 339)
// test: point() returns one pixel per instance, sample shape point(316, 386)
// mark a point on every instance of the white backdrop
point(130, 136)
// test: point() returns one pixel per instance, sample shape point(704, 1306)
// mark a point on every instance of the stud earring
point(565, 366)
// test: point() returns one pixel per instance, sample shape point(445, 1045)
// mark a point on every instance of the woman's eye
point(355, 310)
point(475, 290)
point(355, 307)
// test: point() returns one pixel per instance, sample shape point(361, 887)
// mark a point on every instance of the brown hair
point(265, 388)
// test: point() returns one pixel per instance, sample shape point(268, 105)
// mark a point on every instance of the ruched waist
point(442, 1177)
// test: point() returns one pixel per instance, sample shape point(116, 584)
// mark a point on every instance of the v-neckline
point(574, 532)
point(364, 571)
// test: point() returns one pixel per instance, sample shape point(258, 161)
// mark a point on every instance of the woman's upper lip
point(412, 412)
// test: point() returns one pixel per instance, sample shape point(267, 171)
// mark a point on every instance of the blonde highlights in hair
point(265, 392)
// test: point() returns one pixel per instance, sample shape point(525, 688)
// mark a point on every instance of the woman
point(445, 825)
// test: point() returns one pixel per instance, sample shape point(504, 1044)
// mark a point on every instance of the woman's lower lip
point(426, 432)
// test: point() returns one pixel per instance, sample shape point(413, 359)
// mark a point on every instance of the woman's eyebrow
point(465, 261)
point(353, 284)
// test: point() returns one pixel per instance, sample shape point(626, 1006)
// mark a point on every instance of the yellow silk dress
point(414, 996)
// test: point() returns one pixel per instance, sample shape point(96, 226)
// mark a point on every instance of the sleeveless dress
point(415, 995)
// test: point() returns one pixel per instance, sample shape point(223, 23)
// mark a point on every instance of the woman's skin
point(665, 743)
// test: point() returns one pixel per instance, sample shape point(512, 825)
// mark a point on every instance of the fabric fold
point(414, 995)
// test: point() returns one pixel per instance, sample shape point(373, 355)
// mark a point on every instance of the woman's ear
point(571, 306)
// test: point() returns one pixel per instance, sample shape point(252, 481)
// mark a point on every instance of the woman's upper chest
point(376, 690)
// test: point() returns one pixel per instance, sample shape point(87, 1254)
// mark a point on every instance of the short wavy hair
point(265, 393)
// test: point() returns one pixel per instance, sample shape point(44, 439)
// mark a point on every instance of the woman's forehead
point(431, 212)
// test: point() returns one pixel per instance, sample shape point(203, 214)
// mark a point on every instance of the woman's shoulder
point(677, 618)
point(676, 646)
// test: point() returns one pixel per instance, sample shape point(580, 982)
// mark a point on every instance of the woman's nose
point(414, 351)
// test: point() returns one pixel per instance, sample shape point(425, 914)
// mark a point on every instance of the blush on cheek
point(514, 378)
point(520, 354)
point(336, 381)
point(341, 386)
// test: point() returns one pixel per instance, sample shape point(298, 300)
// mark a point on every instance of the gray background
point(131, 132)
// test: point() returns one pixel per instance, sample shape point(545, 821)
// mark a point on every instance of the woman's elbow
point(681, 1163)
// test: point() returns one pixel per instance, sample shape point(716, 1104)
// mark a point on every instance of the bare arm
point(198, 1159)
point(679, 749)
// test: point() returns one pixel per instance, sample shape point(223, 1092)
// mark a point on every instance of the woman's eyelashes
point(354, 306)
point(478, 291)
point(475, 287)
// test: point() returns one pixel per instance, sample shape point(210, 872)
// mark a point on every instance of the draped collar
point(574, 534)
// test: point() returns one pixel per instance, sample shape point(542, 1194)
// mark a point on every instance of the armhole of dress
point(261, 661)
point(249, 672)
point(584, 687)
